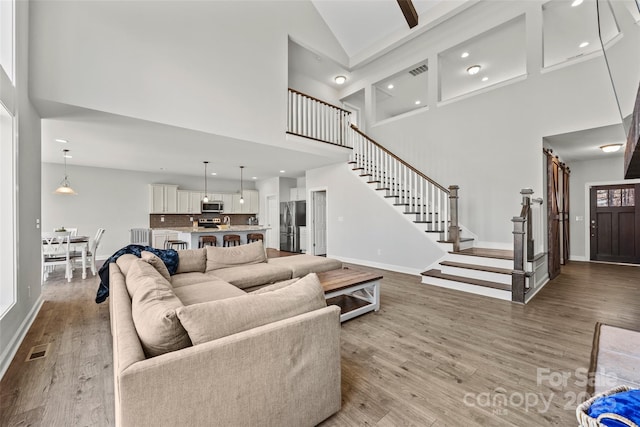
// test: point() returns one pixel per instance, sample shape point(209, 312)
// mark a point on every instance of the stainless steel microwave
point(215, 206)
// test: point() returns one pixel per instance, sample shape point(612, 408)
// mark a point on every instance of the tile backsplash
point(184, 220)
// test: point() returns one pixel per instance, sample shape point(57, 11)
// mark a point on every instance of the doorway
point(273, 222)
point(319, 222)
point(615, 223)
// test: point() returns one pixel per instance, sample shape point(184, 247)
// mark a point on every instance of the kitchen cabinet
point(161, 236)
point(184, 202)
point(297, 193)
point(195, 202)
point(251, 203)
point(163, 198)
point(227, 200)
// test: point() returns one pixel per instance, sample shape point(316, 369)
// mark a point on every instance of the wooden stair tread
point(477, 267)
point(486, 253)
point(462, 239)
point(477, 282)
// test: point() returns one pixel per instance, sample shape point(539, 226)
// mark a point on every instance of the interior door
point(615, 223)
point(319, 222)
point(273, 222)
point(553, 213)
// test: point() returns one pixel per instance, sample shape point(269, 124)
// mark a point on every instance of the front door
point(615, 223)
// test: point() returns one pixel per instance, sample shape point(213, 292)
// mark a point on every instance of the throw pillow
point(233, 256)
point(157, 263)
point(192, 261)
point(153, 308)
point(216, 319)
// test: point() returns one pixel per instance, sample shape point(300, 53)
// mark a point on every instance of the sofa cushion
point(157, 263)
point(216, 319)
point(301, 265)
point(153, 308)
point(233, 256)
point(124, 262)
point(254, 275)
point(213, 290)
point(186, 279)
point(274, 287)
point(192, 260)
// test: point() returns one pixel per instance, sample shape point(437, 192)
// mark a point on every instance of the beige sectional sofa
point(212, 345)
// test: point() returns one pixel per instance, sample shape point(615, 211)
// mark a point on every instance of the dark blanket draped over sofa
point(169, 256)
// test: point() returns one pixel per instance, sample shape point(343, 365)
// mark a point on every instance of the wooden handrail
point(319, 100)
point(355, 128)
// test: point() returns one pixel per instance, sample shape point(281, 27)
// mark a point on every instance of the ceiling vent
point(419, 70)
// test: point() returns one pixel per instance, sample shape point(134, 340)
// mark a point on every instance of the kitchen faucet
point(227, 220)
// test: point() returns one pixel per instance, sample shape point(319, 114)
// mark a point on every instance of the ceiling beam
point(409, 12)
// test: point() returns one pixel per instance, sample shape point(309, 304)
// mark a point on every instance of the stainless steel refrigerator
point(293, 215)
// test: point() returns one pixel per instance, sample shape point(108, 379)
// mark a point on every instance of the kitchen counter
point(191, 235)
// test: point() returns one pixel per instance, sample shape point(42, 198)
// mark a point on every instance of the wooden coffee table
point(355, 292)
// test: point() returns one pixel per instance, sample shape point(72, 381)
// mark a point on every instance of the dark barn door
point(615, 223)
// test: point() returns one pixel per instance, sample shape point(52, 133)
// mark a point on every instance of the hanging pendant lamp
point(64, 187)
point(241, 188)
point(205, 199)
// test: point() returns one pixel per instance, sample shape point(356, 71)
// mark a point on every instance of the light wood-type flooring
point(429, 357)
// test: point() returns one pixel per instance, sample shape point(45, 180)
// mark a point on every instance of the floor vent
point(38, 352)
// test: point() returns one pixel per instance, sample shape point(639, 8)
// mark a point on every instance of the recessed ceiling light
point(64, 141)
point(282, 171)
point(611, 148)
point(340, 79)
point(584, 44)
point(576, 3)
point(417, 102)
point(254, 177)
point(68, 156)
point(390, 86)
point(464, 55)
point(484, 79)
point(214, 173)
point(474, 69)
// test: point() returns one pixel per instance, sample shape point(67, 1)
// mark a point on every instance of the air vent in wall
point(418, 70)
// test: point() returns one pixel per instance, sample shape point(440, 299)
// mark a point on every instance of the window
point(402, 92)
point(7, 211)
point(494, 56)
point(615, 197)
point(6, 37)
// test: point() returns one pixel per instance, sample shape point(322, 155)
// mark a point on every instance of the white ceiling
point(585, 144)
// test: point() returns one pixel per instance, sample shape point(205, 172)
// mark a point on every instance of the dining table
point(76, 242)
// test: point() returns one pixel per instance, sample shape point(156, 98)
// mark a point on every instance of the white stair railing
point(312, 118)
point(422, 196)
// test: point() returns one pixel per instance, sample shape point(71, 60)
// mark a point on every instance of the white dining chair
point(92, 253)
point(55, 251)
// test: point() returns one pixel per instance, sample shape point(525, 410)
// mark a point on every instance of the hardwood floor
point(430, 357)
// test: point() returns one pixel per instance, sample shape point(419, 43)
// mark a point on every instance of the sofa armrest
point(285, 373)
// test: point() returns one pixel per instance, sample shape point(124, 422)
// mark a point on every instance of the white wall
point(15, 323)
point(266, 188)
point(490, 143)
point(585, 174)
point(363, 228)
point(214, 66)
point(116, 200)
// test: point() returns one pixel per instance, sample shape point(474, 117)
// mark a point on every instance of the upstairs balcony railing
point(312, 118)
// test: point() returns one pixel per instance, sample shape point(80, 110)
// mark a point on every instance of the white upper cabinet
point(163, 198)
point(195, 202)
point(297, 193)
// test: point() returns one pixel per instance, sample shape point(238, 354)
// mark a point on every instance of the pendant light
point(65, 188)
point(205, 199)
point(241, 189)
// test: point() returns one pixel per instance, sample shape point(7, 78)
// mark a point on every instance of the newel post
point(526, 210)
point(454, 230)
point(518, 275)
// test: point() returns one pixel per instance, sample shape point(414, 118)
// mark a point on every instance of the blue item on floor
point(616, 408)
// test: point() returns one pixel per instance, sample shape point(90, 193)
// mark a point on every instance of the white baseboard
point(578, 258)
point(9, 353)
point(382, 266)
point(536, 290)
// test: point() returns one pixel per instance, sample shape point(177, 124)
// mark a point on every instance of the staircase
point(430, 206)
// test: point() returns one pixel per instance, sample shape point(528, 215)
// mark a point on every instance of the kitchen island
point(191, 235)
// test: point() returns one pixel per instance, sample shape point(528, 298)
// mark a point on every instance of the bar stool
point(228, 238)
point(207, 241)
point(254, 237)
point(175, 244)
